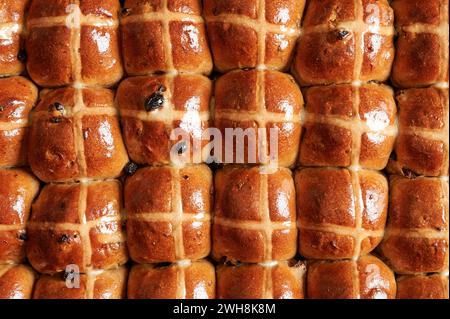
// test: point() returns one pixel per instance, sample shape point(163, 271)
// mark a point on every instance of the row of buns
point(339, 41)
point(75, 133)
point(368, 278)
point(244, 215)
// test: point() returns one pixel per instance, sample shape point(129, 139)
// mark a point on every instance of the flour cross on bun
point(75, 135)
point(341, 213)
point(164, 36)
point(422, 146)
point(254, 218)
point(17, 97)
point(169, 213)
point(348, 126)
point(181, 280)
point(274, 280)
point(253, 33)
point(11, 33)
point(74, 43)
point(345, 42)
point(422, 57)
point(259, 100)
point(95, 284)
point(79, 224)
point(417, 232)
point(152, 106)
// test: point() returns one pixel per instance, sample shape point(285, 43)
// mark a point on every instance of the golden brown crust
point(254, 217)
point(422, 144)
point(74, 42)
point(16, 282)
point(77, 224)
point(250, 33)
point(341, 213)
point(164, 36)
point(257, 100)
point(75, 134)
point(422, 287)
point(422, 45)
point(11, 37)
point(108, 284)
point(187, 280)
point(147, 128)
point(18, 188)
point(416, 239)
point(17, 97)
point(330, 48)
point(169, 213)
point(257, 281)
point(367, 278)
point(348, 126)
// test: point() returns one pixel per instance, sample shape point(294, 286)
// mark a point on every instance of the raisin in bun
point(422, 146)
point(16, 281)
point(18, 188)
point(75, 135)
point(249, 33)
point(103, 284)
point(169, 213)
point(416, 239)
point(152, 106)
point(366, 278)
point(422, 45)
point(422, 287)
point(275, 280)
point(345, 41)
point(12, 55)
point(77, 224)
point(73, 42)
point(341, 213)
point(164, 36)
point(182, 280)
point(348, 126)
point(259, 102)
point(17, 97)
point(254, 215)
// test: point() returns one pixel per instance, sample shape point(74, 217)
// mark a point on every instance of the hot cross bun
point(169, 213)
point(254, 215)
point(77, 225)
point(164, 36)
point(183, 280)
point(345, 41)
point(16, 281)
point(151, 107)
point(259, 100)
point(366, 278)
point(18, 188)
point(73, 42)
point(422, 287)
point(253, 33)
point(279, 280)
point(12, 55)
point(17, 97)
point(416, 239)
point(422, 146)
point(103, 284)
point(348, 126)
point(341, 213)
point(422, 44)
point(75, 134)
